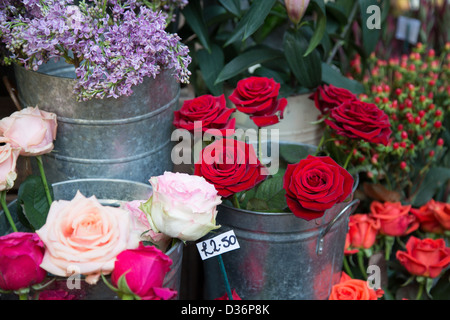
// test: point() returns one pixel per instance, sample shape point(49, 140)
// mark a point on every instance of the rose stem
point(347, 268)
point(6, 210)
point(348, 158)
point(44, 179)
point(361, 264)
point(419, 293)
point(236, 201)
point(225, 278)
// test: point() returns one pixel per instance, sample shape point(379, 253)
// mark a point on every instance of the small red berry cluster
point(414, 90)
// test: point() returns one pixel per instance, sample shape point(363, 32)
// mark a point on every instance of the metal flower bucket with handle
point(103, 138)
point(281, 257)
point(108, 192)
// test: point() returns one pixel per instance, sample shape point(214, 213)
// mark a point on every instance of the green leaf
point(196, 21)
point(307, 70)
point(211, 63)
point(246, 60)
point(272, 192)
point(321, 25)
point(251, 21)
point(32, 199)
point(293, 153)
point(332, 76)
point(233, 6)
point(435, 179)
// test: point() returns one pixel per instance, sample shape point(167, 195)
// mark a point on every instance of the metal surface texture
point(281, 257)
point(126, 138)
point(108, 192)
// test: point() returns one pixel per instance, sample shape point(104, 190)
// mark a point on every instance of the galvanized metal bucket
point(126, 138)
point(108, 192)
point(281, 257)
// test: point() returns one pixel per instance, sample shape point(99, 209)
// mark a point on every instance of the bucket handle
point(322, 234)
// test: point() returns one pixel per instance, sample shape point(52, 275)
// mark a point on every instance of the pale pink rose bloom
point(182, 206)
point(141, 225)
point(8, 161)
point(296, 9)
point(30, 129)
point(84, 237)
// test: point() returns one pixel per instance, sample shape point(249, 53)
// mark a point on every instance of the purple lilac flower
point(112, 50)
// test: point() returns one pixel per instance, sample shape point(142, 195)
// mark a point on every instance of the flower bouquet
point(94, 36)
point(59, 249)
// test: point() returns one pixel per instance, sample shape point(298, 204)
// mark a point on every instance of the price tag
point(408, 29)
point(220, 244)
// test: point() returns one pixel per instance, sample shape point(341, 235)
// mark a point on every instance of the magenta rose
point(21, 254)
point(144, 269)
point(211, 111)
point(314, 185)
point(360, 120)
point(258, 97)
point(326, 98)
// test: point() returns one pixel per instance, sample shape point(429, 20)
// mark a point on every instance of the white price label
point(408, 29)
point(220, 244)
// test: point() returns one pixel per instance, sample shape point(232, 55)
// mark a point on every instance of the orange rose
point(363, 230)
point(353, 289)
point(395, 219)
point(434, 216)
point(425, 257)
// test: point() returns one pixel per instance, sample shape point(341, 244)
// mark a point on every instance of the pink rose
point(32, 130)
point(144, 269)
point(82, 235)
point(21, 254)
point(8, 160)
point(140, 224)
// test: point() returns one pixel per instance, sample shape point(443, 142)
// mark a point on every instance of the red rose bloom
point(433, 217)
point(231, 166)
point(360, 120)
point(353, 289)
point(425, 257)
point(258, 97)
point(329, 97)
point(363, 230)
point(395, 219)
point(211, 111)
point(314, 185)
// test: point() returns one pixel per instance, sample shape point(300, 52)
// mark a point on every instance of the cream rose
point(83, 235)
point(182, 206)
point(30, 129)
point(8, 161)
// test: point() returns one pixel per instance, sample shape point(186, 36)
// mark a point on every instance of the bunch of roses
point(425, 256)
point(90, 239)
point(108, 62)
point(414, 91)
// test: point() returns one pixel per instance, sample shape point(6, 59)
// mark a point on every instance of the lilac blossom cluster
point(113, 44)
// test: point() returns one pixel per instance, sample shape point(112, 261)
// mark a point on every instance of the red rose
point(144, 269)
point(211, 111)
point(353, 289)
point(231, 166)
point(425, 257)
point(314, 185)
point(21, 254)
point(258, 97)
point(395, 219)
point(433, 216)
point(329, 97)
point(360, 120)
point(363, 230)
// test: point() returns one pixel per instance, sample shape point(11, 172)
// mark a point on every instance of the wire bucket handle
point(322, 234)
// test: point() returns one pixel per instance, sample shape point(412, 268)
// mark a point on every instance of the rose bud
point(296, 9)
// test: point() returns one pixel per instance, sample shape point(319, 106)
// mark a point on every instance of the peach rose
point(32, 130)
point(353, 289)
point(84, 236)
point(8, 160)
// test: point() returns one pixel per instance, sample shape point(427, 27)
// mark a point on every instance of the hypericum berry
point(422, 98)
point(403, 144)
point(417, 120)
point(400, 127)
point(438, 113)
point(420, 138)
point(408, 103)
point(423, 124)
point(440, 142)
point(438, 124)
point(403, 165)
point(398, 91)
point(421, 113)
point(396, 145)
point(404, 135)
point(431, 154)
point(432, 106)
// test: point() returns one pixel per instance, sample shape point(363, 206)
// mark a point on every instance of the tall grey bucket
point(108, 192)
point(281, 257)
point(126, 138)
